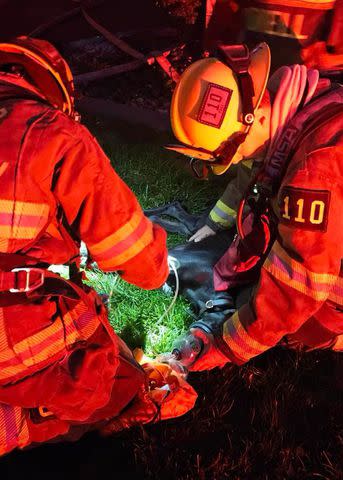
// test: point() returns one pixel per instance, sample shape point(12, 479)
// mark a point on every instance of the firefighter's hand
point(210, 356)
point(202, 233)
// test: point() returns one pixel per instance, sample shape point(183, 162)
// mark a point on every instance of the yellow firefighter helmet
point(45, 67)
point(214, 103)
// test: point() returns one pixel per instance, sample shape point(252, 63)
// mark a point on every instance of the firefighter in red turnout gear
point(290, 238)
point(62, 368)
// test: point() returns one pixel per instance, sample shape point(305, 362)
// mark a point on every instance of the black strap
point(273, 172)
point(216, 305)
point(8, 261)
point(267, 181)
point(237, 57)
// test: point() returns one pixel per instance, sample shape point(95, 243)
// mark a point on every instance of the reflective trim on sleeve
point(22, 220)
point(295, 275)
point(336, 294)
point(4, 244)
point(222, 214)
point(77, 324)
point(18, 232)
point(123, 244)
point(243, 346)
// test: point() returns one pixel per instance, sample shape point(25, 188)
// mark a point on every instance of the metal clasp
point(28, 288)
point(209, 304)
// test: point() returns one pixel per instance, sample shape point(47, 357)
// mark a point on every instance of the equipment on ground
point(186, 349)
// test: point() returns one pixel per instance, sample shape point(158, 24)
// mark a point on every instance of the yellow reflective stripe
point(221, 213)
point(336, 294)
point(24, 208)
point(21, 220)
point(46, 343)
point(225, 208)
point(67, 327)
point(294, 274)
point(19, 232)
point(338, 345)
point(127, 229)
point(129, 253)
point(25, 347)
point(239, 341)
point(4, 244)
point(216, 218)
point(313, 4)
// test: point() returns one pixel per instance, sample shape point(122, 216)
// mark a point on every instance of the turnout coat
point(299, 293)
point(62, 368)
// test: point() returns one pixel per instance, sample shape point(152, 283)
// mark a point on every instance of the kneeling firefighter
point(63, 370)
point(290, 228)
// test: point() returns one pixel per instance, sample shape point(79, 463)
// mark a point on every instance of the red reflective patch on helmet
point(214, 105)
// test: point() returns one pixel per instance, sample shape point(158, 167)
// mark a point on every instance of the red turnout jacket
point(61, 365)
point(300, 288)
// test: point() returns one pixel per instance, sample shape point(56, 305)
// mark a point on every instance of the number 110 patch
point(306, 209)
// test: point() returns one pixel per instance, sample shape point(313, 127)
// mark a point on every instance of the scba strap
point(237, 57)
point(266, 183)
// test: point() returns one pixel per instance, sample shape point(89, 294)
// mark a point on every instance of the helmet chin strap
point(199, 168)
point(223, 155)
point(237, 58)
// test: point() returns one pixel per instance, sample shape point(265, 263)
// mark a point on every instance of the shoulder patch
point(214, 105)
point(304, 208)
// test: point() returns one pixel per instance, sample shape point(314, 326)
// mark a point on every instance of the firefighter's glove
point(208, 331)
point(165, 395)
point(210, 355)
point(197, 350)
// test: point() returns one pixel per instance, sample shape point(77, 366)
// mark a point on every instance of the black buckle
point(209, 304)
point(223, 305)
point(237, 57)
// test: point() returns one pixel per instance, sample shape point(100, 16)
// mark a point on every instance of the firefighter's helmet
point(45, 67)
point(214, 103)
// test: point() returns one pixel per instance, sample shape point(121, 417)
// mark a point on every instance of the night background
point(278, 417)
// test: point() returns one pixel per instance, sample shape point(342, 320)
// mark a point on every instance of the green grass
point(136, 314)
point(156, 176)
